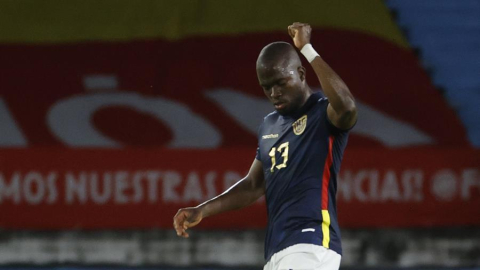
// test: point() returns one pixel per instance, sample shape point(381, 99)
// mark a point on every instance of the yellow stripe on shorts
point(326, 228)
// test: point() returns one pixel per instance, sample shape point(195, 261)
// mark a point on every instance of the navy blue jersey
point(301, 156)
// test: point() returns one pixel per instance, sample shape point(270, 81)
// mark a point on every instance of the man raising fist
point(300, 148)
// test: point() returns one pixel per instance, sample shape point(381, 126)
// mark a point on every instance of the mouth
point(279, 105)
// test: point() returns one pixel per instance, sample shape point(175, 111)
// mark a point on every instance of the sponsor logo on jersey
point(270, 136)
point(300, 125)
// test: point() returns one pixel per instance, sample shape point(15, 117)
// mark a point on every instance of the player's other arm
point(243, 193)
point(341, 111)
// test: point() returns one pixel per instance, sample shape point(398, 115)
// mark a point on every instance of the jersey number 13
point(283, 149)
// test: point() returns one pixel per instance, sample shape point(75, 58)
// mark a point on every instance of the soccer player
point(300, 148)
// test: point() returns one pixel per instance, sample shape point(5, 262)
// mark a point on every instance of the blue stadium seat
point(435, 4)
point(426, 36)
point(440, 18)
point(447, 34)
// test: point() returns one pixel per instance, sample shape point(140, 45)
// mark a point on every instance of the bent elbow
point(349, 109)
point(348, 117)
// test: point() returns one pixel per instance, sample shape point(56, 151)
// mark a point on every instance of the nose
point(275, 92)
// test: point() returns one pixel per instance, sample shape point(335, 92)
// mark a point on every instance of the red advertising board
point(121, 132)
point(76, 121)
point(92, 189)
point(115, 94)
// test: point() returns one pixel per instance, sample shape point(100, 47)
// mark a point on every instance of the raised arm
point(243, 193)
point(341, 111)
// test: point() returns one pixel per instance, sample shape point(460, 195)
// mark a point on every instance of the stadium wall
point(385, 248)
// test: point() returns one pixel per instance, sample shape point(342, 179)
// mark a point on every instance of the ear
point(302, 72)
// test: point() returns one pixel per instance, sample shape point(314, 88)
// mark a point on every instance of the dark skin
point(282, 78)
point(341, 110)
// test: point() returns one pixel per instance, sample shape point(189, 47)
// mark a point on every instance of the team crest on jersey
point(300, 125)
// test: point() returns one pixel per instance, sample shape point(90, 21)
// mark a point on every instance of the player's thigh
point(299, 261)
point(331, 261)
point(324, 260)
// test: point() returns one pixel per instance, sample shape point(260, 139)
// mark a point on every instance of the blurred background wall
point(114, 114)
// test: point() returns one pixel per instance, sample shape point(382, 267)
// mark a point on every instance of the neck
point(307, 93)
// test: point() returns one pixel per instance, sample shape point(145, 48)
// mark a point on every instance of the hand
point(186, 218)
point(300, 33)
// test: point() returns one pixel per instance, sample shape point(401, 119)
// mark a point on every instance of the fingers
point(291, 31)
point(179, 224)
point(297, 26)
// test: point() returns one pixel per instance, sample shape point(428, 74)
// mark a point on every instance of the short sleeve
point(335, 130)
point(332, 128)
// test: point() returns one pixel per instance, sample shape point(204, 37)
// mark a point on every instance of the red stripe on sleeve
point(326, 174)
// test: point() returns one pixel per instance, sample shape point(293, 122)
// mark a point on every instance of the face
point(283, 86)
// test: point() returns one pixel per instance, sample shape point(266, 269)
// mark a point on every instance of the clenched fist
point(300, 33)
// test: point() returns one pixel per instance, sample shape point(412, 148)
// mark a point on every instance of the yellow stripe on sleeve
point(326, 228)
